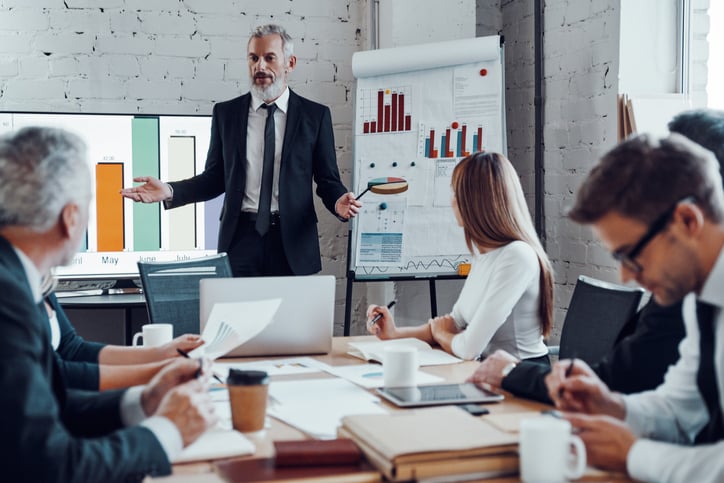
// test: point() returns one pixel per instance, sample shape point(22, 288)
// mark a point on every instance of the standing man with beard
point(266, 148)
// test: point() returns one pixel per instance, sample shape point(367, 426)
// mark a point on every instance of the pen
point(379, 316)
point(198, 373)
point(569, 371)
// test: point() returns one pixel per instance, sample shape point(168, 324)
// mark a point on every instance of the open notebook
point(214, 444)
point(426, 355)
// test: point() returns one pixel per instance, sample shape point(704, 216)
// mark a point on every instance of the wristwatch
point(508, 368)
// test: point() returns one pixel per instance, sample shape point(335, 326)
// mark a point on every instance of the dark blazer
point(77, 357)
point(50, 433)
point(645, 349)
point(308, 154)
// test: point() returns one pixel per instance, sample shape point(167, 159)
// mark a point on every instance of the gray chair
point(172, 289)
point(597, 313)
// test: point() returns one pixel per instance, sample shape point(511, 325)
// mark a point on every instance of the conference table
point(280, 431)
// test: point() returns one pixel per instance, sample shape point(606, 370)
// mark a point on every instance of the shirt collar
point(31, 273)
point(713, 287)
point(282, 101)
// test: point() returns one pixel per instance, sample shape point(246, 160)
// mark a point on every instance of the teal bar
point(146, 162)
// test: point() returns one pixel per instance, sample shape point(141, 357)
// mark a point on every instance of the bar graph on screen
point(121, 147)
point(384, 110)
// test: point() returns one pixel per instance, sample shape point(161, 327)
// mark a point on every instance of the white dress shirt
point(131, 411)
point(670, 417)
point(255, 149)
point(499, 303)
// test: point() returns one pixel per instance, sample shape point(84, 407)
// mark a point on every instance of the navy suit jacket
point(307, 155)
point(50, 433)
point(645, 349)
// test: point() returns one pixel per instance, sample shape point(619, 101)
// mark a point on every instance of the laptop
point(438, 394)
point(302, 325)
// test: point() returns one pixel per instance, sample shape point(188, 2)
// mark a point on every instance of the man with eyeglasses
point(659, 207)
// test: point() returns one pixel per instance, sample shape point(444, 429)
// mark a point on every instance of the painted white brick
point(93, 67)
point(79, 20)
point(173, 107)
point(167, 23)
point(126, 21)
point(182, 46)
point(8, 66)
point(236, 70)
point(59, 104)
point(32, 3)
point(64, 67)
point(160, 5)
point(332, 10)
point(160, 67)
point(123, 66)
point(236, 25)
point(323, 29)
point(15, 43)
point(209, 90)
point(228, 47)
point(156, 89)
point(316, 72)
point(337, 52)
point(206, 6)
point(102, 106)
point(210, 69)
point(125, 44)
point(34, 67)
point(100, 89)
point(274, 9)
point(29, 19)
point(35, 89)
point(93, 3)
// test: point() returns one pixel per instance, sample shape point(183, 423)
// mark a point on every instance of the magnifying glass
point(385, 186)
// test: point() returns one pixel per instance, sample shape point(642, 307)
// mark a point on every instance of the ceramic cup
point(545, 451)
point(154, 335)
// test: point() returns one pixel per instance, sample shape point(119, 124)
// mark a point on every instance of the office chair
point(597, 313)
point(172, 289)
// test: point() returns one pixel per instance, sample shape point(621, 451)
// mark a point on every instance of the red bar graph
point(384, 110)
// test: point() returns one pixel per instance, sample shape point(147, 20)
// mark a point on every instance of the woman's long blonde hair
point(494, 213)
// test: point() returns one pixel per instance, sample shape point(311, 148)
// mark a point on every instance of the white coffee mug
point(399, 366)
point(545, 451)
point(154, 335)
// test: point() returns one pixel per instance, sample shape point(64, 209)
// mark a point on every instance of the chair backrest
point(597, 313)
point(172, 289)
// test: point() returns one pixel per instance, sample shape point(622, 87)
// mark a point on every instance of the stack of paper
point(426, 355)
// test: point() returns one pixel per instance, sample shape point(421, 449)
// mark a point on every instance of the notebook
point(303, 323)
point(438, 394)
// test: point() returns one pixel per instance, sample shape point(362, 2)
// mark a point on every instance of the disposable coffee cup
point(248, 392)
point(154, 335)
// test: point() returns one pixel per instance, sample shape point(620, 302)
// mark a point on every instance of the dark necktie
point(706, 376)
point(263, 215)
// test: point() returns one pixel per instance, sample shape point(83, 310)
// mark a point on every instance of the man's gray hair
point(41, 170)
point(271, 29)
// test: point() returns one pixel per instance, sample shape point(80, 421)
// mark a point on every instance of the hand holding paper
point(232, 324)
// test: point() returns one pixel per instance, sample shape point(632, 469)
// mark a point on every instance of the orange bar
point(109, 206)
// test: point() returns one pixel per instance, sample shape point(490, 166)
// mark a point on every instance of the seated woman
point(94, 366)
point(507, 300)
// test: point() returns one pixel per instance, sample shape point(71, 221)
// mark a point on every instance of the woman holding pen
point(507, 300)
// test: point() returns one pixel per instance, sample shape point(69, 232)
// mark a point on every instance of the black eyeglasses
point(627, 257)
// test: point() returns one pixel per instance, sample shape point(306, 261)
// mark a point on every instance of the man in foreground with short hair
point(659, 207)
point(50, 433)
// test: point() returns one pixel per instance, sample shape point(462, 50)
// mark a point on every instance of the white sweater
point(498, 305)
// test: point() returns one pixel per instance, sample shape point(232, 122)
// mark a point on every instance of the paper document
point(233, 323)
point(316, 406)
point(274, 367)
point(426, 355)
point(216, 443)
point(370, 375)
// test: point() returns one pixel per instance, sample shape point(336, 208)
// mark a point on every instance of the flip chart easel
point(418, 111)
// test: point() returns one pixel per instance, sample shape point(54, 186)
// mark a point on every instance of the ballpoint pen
point(379, 316)
point(198, 373)
point(569, 371)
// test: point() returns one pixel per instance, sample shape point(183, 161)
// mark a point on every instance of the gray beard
point(270, 92)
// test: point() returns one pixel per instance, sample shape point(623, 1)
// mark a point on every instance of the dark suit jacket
point(645, 349)
point(50, 433)
point(77, 357)
point(308, 154)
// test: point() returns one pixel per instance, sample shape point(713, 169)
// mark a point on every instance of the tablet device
point(438, 394)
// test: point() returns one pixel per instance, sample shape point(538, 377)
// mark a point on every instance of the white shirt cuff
point(131, 409)
point(167, 434)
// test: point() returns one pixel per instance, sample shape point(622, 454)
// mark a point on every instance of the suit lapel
point(239, 122)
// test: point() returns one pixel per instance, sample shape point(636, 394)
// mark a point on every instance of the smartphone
point(474, 409)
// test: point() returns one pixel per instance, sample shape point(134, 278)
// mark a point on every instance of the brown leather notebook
point(260, 470)
point(317, 452)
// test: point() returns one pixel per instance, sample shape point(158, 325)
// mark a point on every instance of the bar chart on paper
point(454, 140)
point(384, 110)
point(121, 147)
